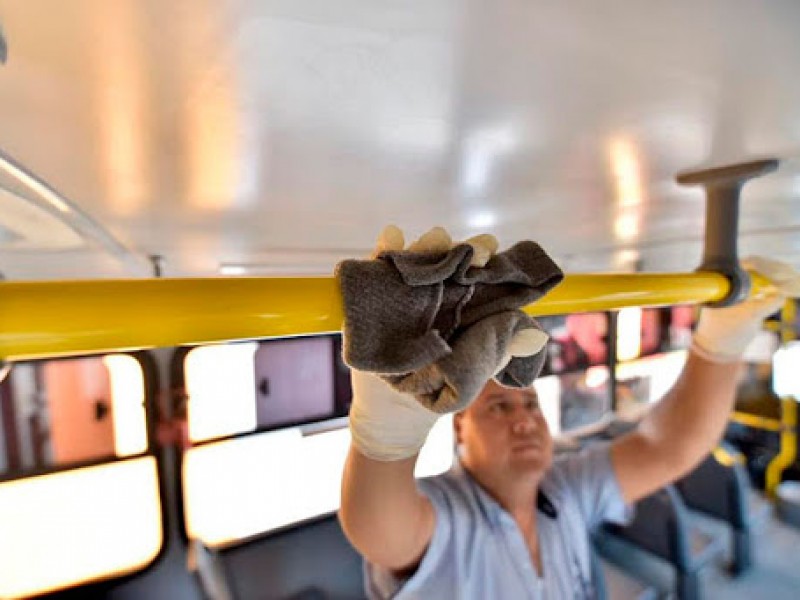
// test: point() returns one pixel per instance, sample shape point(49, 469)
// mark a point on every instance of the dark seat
point(313, 561)
point(611, 583)
point(662, 527)
point(722, 491)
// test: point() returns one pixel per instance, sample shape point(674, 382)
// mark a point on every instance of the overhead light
point(264, 269)
point(626, 226)
point(290, 261)
point(483, 219)
point(482, 148)
point(627, 260)
point(627, 173)
point(628, 178)
point(232, 269)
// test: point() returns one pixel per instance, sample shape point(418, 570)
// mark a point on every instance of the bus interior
point(178, 181)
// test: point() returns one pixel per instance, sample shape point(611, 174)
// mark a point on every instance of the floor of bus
point(775, 573)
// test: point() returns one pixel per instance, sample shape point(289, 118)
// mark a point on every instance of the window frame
point(152, 386)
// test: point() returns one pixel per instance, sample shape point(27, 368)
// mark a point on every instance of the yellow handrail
point(788, 443)
point(727, 458)
point(51, 318)
point(756, 421)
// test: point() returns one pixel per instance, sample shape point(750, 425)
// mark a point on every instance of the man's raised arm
point(690, 420)
point(383, 515)
point(429, 287)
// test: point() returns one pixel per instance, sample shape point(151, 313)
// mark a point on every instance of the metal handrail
point(52, 318)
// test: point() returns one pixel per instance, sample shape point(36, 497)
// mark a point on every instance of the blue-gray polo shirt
point(477, 550)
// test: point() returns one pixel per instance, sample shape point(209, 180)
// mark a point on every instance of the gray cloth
point(437, 328)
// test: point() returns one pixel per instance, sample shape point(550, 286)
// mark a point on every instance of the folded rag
point(437, 328)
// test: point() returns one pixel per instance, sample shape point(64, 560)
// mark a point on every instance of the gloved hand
point(723, 334)
point(437, 240)
point(385, 423)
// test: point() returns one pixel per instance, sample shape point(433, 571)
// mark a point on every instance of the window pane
point(76, 526)
point(648, 331)
point(242, 387)
point(220, 384)
point(294, 381)
point(645, 380)
point(574, 399)
point(65, 411)
point(576, 342)
point(239, 488)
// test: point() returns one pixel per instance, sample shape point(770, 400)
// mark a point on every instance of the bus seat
point(788, 502)
point(310, 561)
point(611, 583)
point(207, 565)
point(723, 492)
point(663, 529)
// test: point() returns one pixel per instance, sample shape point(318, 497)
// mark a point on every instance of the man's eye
point(532, 405)
point(498, 407)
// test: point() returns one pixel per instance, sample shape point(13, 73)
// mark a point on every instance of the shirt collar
point(488, 505)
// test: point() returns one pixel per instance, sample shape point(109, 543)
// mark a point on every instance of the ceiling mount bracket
point(723, 186)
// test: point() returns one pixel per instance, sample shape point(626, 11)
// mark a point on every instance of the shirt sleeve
point(589, 477)
point(381, 584)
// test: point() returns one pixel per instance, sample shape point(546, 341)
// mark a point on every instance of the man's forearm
point(679, 431)
point(691, 419)
point(383, 514)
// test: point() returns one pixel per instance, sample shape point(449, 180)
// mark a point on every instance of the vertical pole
point(612, 357)
point(788, 440)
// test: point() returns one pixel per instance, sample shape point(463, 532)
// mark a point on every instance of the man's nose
point(523, 422)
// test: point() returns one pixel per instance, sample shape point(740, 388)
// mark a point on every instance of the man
point(508, 522)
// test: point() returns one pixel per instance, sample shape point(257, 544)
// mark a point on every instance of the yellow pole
point(755, 421)
point(40, 319)
point(788, 444)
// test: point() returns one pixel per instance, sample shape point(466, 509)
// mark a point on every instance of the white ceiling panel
point(281, 136)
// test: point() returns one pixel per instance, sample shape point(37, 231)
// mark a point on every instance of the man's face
point(503, 432)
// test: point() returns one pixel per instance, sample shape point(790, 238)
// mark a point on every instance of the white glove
point(386, 424)
point(436, 240)
point(723, 334)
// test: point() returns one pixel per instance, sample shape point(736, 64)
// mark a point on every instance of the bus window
point(574, 386)
point(643, 381)
point(638, 332)
point(574, 399)
point(240, 488)
point(755, 392)
point(284, 401)
point(71, 411)
point(252, 386)
point(576, 342)
point(77, 476)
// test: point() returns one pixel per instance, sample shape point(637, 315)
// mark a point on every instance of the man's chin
point(535, 464)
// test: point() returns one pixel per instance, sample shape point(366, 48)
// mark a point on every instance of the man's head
point(504, 433)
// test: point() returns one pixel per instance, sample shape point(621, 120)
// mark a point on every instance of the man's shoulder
point(456, 495)
point(453, 481)
point(570, 468)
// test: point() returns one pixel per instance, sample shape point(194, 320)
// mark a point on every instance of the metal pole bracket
point(723, 186)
